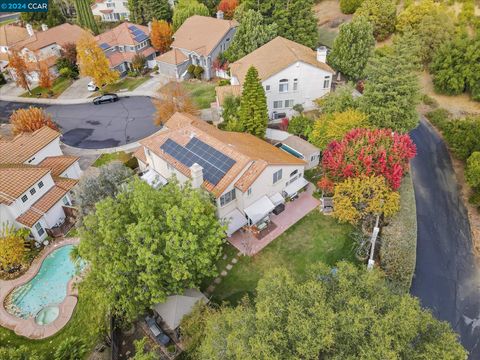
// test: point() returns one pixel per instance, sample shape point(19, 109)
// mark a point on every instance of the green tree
point(211, 5)
point(473, 170)
point(52, 17)
point(156, 9)
point(141, 353)
point(350, 6)
point(136, 11)
point(71, 348)
point(352, 48)
point(230, 111)
point(300, 125)
point(146, 244)
point(472, 70)
point(391, 93)
point(12, 246)
point(186, 8)
point(339, 100)
point(382, 14)
point(250, 35)
point(345, 313)
point(85, 15)
point(253, 111)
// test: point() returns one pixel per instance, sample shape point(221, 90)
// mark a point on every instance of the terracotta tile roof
point(275, 56)
point(15, 179)
point(121, 35)
point(251, 154)
point(11, 34)
point(174, 57)
point(140, 154)
point(201, 33)
point(58, 164)
point(46, 202)
point(116, 57)
point(26, 145)
point(228, 90)
point(61, 34)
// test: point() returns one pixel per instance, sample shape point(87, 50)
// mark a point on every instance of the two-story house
point(247, 176)
point(45, 46)
point(123, 42)
point(111, 10)
point(198, 41)
point(10, 34)
point(35, 182)
point(291, 74)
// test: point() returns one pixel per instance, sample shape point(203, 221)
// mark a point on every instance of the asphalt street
point(447, 280)
point(91, 126)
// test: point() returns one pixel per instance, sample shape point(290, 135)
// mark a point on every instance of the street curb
point(19, 99)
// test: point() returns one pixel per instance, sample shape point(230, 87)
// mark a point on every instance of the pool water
point(289, 150)
point(48, 288)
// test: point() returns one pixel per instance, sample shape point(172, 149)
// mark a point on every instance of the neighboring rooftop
point(15, 179)
point(275, 56)
point(300, 145)
point(174, 57)
point(202, 33)
point(24, 146)
point(11, 34)
point(126, 33)
point(250, 155)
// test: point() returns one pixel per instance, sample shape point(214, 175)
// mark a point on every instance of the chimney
point(197, 175)
point(322, 54)
point(29, 29)
point(149, 27)
point(220, 14)
point(44, 27)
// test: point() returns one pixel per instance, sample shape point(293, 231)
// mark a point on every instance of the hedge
point(399, 240)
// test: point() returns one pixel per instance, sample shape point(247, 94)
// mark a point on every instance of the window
point(121, 48)
point(283, 86)
point(32, 191)
point(289, 103)
point(277, 175)
point(228, 197)
point(39, 229)
point(326, 82)
point(126, 5)
point(295, 84)
point(65, 201)
point(148, 152)
point(293, 173)
point(40, 184)
point(267, 87)
point(314, 157)
point(24, 198)
point(110, 5)
point(227, 40)
point(249, 191)
point(277, 104)
point(30, 161)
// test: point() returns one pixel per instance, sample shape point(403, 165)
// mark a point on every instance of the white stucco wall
point(162, 167)
point(55, 214)
point(119, 7)
point(73, 171)
point(18, 207)
point(52, 149)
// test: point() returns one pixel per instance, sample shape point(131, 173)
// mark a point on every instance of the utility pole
point(375, 232)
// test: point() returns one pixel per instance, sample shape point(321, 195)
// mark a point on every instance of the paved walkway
point(294, 211)
point(28, 327)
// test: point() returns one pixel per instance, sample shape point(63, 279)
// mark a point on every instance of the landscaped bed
point(122, 156)
point(314, 238)
point(59, 86)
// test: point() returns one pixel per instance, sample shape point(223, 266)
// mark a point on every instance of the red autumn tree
point(228, 7)
point(367, 152)
point(161, 35)
point(19, 66)
point(46, 78)
point(29, 120)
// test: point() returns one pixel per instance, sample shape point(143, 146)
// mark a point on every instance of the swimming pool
point(288, 149)
point(41, 296)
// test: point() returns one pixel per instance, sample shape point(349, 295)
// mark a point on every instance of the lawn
point(314, 238)
point(202, 93)
point(59, 86)
point(122, 156)
point(126, 84)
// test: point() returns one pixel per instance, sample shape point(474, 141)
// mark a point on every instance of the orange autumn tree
point(228, 7)
point(46, 78)
point(12, 247)
point(17, 63)
point(29, 120)
point(161, 35)
point(173, 98)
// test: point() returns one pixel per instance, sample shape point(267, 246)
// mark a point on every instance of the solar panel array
point(215, 164)
point(138, 34)
point(104, 46)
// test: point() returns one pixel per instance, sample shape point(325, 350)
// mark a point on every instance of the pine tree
point(253, 105)
point(186, 8)
point(250, 35)
point(136, 11)
point(352, 48)
point(85, 16)
point(156, 9)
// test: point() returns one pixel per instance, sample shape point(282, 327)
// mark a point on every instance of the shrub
point(191, 69)
point(350, 6)
point(438, 117)
point(472, 171)
point(399, 240)
point(224, 82)
point(463, 136)
point(66, 73)
point(198, 71)
point(2, 79)
point(300, 126)
point(429, 101)
point(71, 348)
point(132, 73)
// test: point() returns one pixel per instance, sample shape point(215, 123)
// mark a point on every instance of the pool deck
point(28, 327)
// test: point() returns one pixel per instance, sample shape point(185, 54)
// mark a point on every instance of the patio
point(295, 210)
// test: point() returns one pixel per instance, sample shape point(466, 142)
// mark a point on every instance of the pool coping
point(28, 327)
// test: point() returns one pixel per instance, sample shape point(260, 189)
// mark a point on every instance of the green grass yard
point(126, 84)
point(59, 86)
point(314, 238)
point(202, 93)
point(122, 156)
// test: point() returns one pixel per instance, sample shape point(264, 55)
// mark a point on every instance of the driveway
point(78, 90)
point(91, 126)
point(447, 280)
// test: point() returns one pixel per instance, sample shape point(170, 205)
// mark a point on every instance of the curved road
point(447, 280)
point(91, 126)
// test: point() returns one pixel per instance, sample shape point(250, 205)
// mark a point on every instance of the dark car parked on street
point(106, 98)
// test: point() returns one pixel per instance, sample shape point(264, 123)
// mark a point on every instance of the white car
point(91, 86)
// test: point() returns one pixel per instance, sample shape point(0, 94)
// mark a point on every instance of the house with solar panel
point(198, 42)
point(248, 177)
point(123, 42)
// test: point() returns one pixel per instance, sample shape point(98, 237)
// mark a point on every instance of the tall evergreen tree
point(250, 35)
point(253, 105)
point(352, 48)
point(186, 8)
point(136, 11)
point(85, 16)
point(52, 17)
point(156, 9)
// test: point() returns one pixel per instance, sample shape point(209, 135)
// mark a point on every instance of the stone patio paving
point(248, 244)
